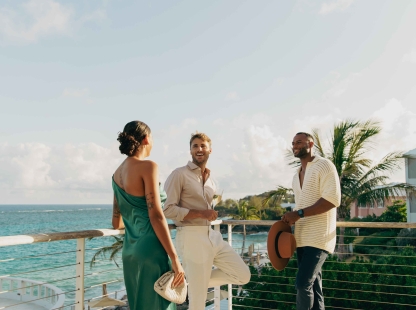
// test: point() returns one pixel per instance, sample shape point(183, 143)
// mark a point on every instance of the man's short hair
point(199, 135)
point(308, 135)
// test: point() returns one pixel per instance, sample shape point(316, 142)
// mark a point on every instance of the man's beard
point(302, 152)
point(196, 162)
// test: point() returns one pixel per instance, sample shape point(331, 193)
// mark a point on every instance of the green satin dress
point(144, 258)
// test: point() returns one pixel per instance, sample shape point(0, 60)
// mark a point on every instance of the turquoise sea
point(54, 262)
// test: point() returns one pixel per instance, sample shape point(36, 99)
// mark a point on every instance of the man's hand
point(290, 218)
point(210, 215)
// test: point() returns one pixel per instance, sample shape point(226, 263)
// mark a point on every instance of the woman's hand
point(179, 273)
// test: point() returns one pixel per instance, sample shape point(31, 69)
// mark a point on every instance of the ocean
point(54, 262)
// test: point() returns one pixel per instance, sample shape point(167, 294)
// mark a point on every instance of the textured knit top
point(321, 181)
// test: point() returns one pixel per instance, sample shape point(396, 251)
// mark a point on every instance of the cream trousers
point(200, 247)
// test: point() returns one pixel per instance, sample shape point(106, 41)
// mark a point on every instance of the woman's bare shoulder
point(148, 165)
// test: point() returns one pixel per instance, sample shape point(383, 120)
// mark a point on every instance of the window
point(380, 204)
point(411, 168)
point(412, 205)
point(362, 206)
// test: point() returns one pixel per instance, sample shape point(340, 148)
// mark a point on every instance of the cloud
point(399, 126)
point(335, 6)
point(410, 57)
point(248, 157)
point(36, 19)
point(68, 92)
point(56, 174)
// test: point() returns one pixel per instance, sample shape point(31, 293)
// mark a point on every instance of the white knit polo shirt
point(321, 181)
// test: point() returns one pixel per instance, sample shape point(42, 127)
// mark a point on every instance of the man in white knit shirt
point(317, 195)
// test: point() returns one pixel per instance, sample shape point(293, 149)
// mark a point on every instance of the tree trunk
point(244, 240)
point(341, 240)
point(343, 212)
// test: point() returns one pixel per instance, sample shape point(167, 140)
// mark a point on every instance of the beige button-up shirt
point(186, 190)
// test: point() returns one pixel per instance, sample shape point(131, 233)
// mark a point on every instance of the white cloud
point(56, 174)
point(266, 149)
point(410, 57)
point(71, 92)
point(36, 19)
point(399, 127)
point(335, 6)
point(249, 155)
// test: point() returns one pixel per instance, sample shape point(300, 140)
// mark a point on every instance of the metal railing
point(387, 266)
point(29, 291)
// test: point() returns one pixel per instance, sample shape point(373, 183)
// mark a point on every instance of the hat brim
point(277, 262)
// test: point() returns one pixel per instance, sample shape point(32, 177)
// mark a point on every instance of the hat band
point(276, 246)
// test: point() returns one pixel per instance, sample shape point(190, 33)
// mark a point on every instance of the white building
point(411, 179)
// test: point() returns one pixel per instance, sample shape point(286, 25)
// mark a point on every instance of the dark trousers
point(309, 278)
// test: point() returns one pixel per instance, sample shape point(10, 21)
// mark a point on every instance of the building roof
point(411, 152)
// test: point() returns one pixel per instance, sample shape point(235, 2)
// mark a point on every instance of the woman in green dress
point(137, 207)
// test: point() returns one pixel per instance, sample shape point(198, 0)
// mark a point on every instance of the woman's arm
point(158, 220)
point(117, 219)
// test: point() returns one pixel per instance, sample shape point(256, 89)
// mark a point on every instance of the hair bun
point(128, 144)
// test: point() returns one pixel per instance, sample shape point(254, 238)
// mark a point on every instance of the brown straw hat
point(281, 244)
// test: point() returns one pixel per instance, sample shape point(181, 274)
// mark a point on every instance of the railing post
point(217, 289)
point(79, 294)
point(230, 286)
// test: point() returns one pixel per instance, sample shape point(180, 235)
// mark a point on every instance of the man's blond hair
point(199, 135)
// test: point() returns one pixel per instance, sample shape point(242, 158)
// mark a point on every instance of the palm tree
point(113, 249)
point(361, 180)
point(276, 196)
point(246, 212)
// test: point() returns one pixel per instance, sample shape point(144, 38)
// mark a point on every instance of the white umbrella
point(105, 301)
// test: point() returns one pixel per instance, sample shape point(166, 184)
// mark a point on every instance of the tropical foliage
point(359, 284)
point(246, 212)
point(362, 181)
point(110, 250)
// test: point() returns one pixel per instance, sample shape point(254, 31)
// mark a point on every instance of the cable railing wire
point(37, 284)
point(100, 284)
point(331, 280)
point(32, 271)
point(32, 300)
point(34, 256)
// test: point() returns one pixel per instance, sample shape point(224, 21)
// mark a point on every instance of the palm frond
point(276, 196)
point(290, 159)
point(388, 164)
point(317, 142)
point(112, 249)
point(390, 191)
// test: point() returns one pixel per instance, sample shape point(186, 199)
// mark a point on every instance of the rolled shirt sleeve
point(173, 188)
point(330, 186)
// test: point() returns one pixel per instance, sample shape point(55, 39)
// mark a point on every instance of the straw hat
point(281, 244)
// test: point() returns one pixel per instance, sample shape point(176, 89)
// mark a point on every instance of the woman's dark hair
point(132, 136)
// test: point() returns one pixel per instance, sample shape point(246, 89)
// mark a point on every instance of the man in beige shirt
point(190, 192)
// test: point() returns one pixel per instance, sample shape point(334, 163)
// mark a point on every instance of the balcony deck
point(395, 296)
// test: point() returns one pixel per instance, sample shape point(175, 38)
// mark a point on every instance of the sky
point(249, 74)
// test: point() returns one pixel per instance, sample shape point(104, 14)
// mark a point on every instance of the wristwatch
point(300, 213)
